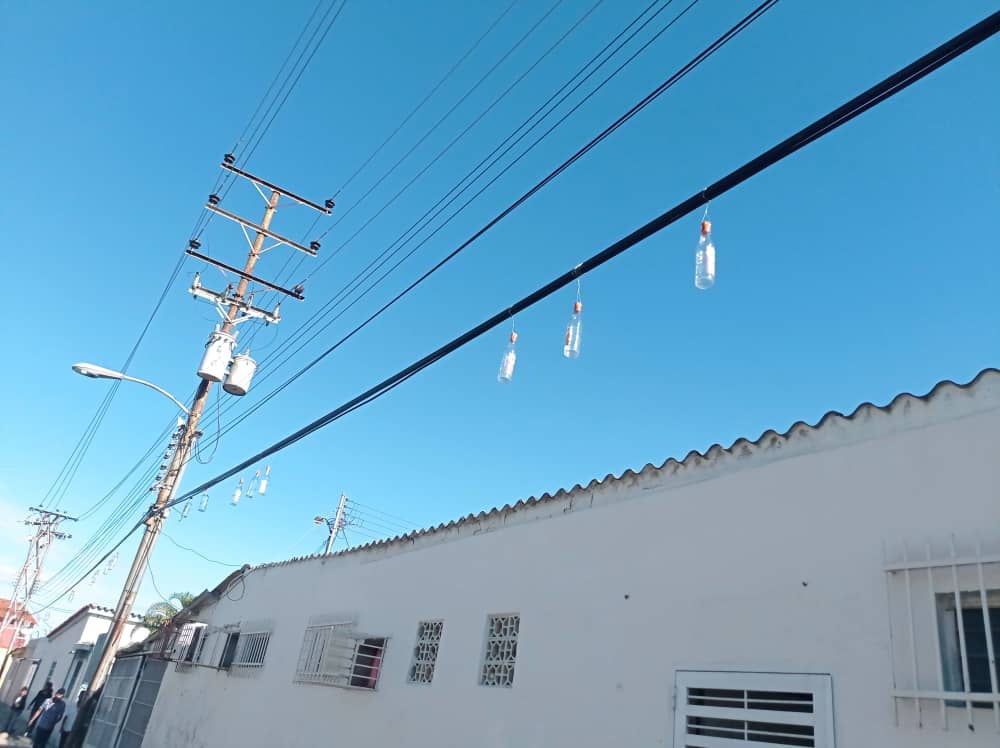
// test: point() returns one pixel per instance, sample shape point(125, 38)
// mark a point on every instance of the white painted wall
point(767, 558)
point(58, 648)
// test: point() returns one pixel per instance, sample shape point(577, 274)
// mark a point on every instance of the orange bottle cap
point(513, 337)
point(577, 307)
point(706, 226)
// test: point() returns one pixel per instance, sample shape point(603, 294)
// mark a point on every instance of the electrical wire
point(389, 252)
point(442, 152)
point(843, 114)
point(427, 97)
point(152, 578)
point(638, 107)
point(198, 553)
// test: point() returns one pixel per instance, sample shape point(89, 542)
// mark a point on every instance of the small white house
point(68, 654)
point(835, 584)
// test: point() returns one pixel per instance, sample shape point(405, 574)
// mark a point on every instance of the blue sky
point(862, 267)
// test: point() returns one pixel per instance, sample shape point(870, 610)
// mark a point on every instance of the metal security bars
point(500, 652)
point(250, 650)
point(944, 627)
point(740, 709)
point(336, 655)
point(425, 651)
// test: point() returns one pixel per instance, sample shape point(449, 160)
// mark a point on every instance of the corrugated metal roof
point(742, 447)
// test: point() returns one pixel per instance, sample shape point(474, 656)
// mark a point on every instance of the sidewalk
point(7, 740)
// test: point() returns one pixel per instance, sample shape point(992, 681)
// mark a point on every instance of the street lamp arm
point(162, 391)
point(100, 372)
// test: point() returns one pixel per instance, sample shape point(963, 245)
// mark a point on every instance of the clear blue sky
point(862, 267)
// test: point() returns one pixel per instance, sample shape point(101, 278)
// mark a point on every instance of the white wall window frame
point(757, 718)
point(336, 654)
point(425, 652)
point(499, 656)
point(251, 650)
point(952, 585)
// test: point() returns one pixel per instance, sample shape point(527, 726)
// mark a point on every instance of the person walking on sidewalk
point(36, 703)
point(47, 718)
point(66, 726)
point(15, 711)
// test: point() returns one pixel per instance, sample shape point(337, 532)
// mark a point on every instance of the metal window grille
point(336, 655)
point(944, 628)
point(250, 649)
point(185, 642)
point(425, 651)
point(501, 650)
point(720, 709)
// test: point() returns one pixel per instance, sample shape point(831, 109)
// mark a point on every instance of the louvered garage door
point(752, 710)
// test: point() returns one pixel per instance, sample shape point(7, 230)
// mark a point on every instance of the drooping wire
point(476, 172)
point(441, 153)
point(843, 114)
point(683, 71)
point(198, 553)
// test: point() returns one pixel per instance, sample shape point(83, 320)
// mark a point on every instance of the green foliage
point(159, 614)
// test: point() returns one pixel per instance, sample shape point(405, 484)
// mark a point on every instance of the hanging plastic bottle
point(237, 493)
point(704, 259)
point(204, 502)
point(571, 343)
point(185, 511)
point(253, 484)
point(262, 489)
point(508, 360)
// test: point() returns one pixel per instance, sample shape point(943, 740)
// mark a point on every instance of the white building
point(68, 654)
point(825, 586)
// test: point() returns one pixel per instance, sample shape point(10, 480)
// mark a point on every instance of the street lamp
point(99, 372)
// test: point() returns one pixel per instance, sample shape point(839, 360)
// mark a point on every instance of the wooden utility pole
point(46, 524)
point(238, 302)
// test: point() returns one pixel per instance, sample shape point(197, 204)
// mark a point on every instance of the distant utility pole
point(46, 524)
point(334, 524)
point(235, 305)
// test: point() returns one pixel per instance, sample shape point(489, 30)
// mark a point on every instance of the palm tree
point(159, 614)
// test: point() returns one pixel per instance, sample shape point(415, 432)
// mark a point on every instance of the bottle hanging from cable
point(204, 503)
point(508, 360)
point(704, 259)
point(237, 493)
point(262, 489)
point(571, 343)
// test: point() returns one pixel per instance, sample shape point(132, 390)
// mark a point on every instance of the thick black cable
point(666, 85)
point(444, 151)
point(436, 125)
point(451, 195)
point(843, 114)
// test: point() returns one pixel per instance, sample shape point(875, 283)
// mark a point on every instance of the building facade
point(832, 585)
point(68, 654)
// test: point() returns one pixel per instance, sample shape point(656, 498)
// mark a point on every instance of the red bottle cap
point(706, 226)
point(513, 337)
point(577, 307)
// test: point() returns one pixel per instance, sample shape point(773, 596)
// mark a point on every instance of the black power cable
point(843, 114)
point(714, 47)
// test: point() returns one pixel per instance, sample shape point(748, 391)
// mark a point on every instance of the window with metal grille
point(337, 655)
point(425, 651)
point(229, 650)
point(186, 642)
point(250, 649)
point(500, 652)
point(728, 708)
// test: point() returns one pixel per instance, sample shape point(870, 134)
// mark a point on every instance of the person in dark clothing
point(47, 718)
point(36, 703)
point(15, 711)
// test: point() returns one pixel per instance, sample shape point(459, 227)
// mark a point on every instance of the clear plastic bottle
point(186, 510)
point(508, 361)
point(704, 259)
point(204, 503)
point(237, 493)
point(262, 489)
point(571, 343)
